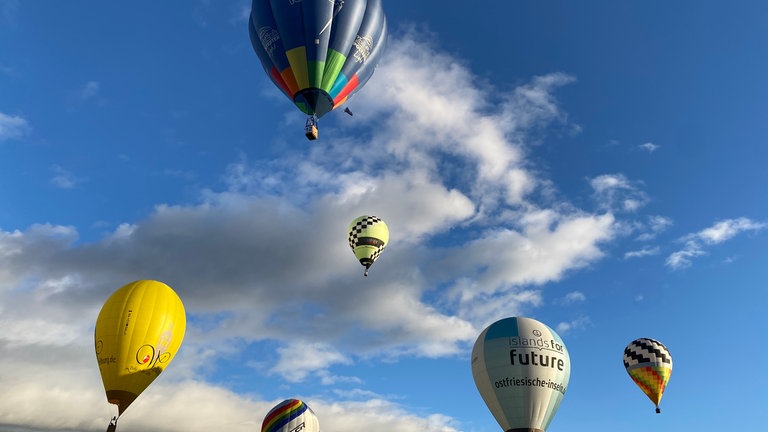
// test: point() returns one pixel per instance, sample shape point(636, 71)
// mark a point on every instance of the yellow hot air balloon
point(368, 235)
point(649, 364)
point(138, 332)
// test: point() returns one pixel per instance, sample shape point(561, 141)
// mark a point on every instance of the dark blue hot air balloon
point(318, 52)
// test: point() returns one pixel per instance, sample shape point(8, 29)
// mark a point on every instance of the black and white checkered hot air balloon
point(649, 364)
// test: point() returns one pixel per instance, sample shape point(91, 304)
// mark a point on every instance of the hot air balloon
point(649, 364)
point(138, 332)
point(368, 236)
point(521, 369)
point(318, 52)
point(291, 415)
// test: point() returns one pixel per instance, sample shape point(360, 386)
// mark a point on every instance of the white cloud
point(684, 257)
point(574, 297)
point(695, 243)
point(606, 183)
point(69, 403)
point(63, 179)
point(431, 115)
point(654, 226)
point(617, 193)
point(379, 416)
point(649, 147)
point(12, 127)
point(644, 252)
point(659, 223)
point(298, 359)
point(727, 229)
point(18, 332)
point(564, 327)
point(504, 260)
point(89, 90)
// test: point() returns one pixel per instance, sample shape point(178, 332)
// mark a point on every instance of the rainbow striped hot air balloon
point(649, 364)
point(291, 415)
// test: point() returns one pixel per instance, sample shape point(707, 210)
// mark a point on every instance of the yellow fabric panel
point(297, 57)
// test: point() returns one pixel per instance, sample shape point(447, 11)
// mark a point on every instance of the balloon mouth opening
point(121, 398)
point(317, 101)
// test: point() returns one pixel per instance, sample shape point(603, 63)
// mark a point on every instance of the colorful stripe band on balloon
point(282, 414)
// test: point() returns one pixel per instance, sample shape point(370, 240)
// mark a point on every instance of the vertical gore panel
point(346, 23)
point(289, 24)
point(266, 61)
point(318, 21)
point(297, 57)
point(344, 89)
point(265, 31)
point(269, 44)
point(367, 39)
point(333, 66)
point(369, 66)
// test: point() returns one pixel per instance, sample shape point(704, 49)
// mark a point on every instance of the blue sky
point(598, 166)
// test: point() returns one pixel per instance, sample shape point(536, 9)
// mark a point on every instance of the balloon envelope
point(318, 52)
point(138, 332)
point(291, 415)
point(649, 364)
point(521, 368)
point(368, 236)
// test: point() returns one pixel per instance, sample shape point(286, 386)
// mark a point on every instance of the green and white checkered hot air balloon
point(368, 235)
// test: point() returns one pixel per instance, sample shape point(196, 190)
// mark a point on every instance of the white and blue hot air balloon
point(521, 368)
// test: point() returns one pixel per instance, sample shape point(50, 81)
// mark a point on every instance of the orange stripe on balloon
point(278, 79)
point(337, 102)
point(290, 81)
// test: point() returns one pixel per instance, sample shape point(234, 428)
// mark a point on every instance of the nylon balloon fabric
point(318, 52)
point(521, 368)
point(290, 415)
point(138, 332)
point(367, 236)
point(649, 364)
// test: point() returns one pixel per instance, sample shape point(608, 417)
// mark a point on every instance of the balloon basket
point(311, 133)
point(310, 129)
